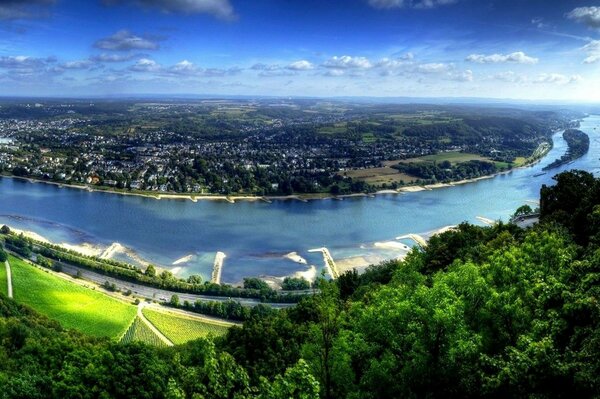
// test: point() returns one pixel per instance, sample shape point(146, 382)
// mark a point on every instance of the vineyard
point(140, 332)
point(73, 306)
point(181, 329)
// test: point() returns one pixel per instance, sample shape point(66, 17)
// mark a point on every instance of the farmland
point(180, 329)
point(452, 157)
point(72, 306)
point(388, 175)
point(140, 332)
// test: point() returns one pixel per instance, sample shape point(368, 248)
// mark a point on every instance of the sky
point(508, 49)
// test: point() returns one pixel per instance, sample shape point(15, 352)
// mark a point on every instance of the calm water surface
point(256, 235)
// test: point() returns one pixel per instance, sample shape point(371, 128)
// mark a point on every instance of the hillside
point(494, 312)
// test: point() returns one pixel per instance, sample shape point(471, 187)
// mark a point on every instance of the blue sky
point(522, 49)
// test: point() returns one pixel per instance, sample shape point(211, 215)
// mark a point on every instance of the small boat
point(539, 174)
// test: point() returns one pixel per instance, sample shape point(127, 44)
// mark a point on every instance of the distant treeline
point(579, 145)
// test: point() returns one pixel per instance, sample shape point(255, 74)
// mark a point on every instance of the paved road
point(9, 279)
point(156, 293)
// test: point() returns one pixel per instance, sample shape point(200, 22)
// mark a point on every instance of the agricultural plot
point(452, 157)
point(71, 305)
point(181, 329)
point(140, 332)
point(379, 176)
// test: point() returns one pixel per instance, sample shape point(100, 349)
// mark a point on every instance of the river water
point(255, 236)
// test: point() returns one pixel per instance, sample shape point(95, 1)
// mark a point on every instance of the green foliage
point(523, 210)
point(480, 312)
point(294, 283)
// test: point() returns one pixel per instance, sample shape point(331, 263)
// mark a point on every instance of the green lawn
point(71, 305)
point(3, 282)
point(181, 329)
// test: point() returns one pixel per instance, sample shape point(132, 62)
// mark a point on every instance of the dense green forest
point(481, 312)
point(579, 145)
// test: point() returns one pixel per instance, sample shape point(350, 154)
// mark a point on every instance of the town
point(258, 147)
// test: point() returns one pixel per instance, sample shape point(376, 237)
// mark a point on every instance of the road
point(9, 279)
point(157, 294)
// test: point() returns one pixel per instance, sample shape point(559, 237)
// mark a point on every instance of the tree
point(523, 211)
point(195, 279)
point(174, 300)
point(3, 256)
point(4, 230)
point(294, 283)
point(254, 283)
point(296, 383)
point(150, 271)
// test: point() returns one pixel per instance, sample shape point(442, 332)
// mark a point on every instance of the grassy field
point(3, 283)
point(378, 176)
point(71, 305)
point(140, 332)
point(181, 329)
point(453, 157)
point(387, 174)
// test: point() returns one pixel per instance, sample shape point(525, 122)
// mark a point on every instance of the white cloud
point(539, 23)
point(81, 64)
point(145, 65)
point(557, 78)
point(463, 76)
point(593, 52)
point(334, 73)
point(434, 67)
point(589, 16)
point(518, 57)
point(510, 77)
point(301, 65)
point(219, 8)
point(348, 62)
point(113, 57)
point(423, 4)
point(124, 40)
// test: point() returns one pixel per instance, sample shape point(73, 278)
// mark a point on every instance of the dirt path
point(151, 326)
point(9, 279)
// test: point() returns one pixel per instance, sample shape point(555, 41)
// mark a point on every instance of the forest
point(492, 312)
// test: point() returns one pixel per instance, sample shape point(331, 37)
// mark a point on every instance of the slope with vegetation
point(72, 305)
point(481, 312)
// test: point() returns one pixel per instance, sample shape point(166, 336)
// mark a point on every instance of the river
point(255, 236)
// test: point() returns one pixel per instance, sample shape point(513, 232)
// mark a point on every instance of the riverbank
point(232, 199)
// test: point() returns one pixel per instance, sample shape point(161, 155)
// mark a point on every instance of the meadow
point(71, 305)
point(180, 329)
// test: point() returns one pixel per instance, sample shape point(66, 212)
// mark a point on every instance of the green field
point(3, 282)
point(71, 305)
point(453, 157)
point(181, 329)
point(140, 332)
